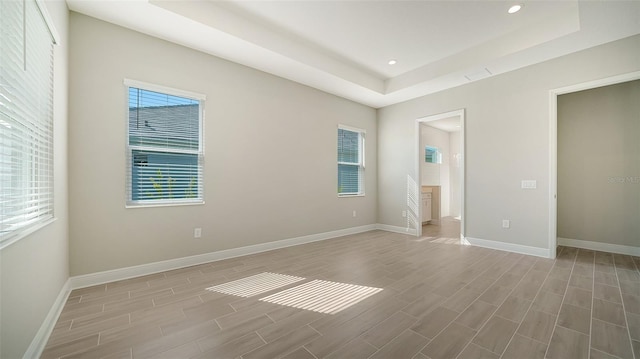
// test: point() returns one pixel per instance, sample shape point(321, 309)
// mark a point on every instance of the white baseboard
point(40, 340)
point(599, 246)
point(42, 336)
point(510, 247)
point(92, 279)
point(396, 229)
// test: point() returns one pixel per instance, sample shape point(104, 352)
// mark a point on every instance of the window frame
point(361, 162)
point(164, 202)
point(433, 153)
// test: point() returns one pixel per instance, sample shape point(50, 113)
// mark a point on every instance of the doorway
point(553, 158)
point(440, 169)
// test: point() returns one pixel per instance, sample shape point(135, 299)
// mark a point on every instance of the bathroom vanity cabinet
point(430, 202)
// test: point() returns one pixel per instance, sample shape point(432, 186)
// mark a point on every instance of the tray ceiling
point(343, 47)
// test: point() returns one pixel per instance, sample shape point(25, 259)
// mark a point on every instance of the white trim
point(461, 113)
point(362, 134)
point(553, 144)
point(41, 338)
point(88, 280)
point(39, 342)
point(164, 204)
point(396, 229)
point(463, 166)
point(598, 83)
point(509, 247)
point(553, 173)
point(352, 129)
point(164, 89)
point(23, 232)
point(441, 116)
point(599, 246)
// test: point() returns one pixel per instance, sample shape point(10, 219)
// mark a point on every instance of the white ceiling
point(342, 47)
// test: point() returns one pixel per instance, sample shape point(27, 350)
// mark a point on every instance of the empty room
point(319, 179)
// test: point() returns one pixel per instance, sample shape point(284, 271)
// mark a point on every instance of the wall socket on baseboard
point(197, 232)
point(506, 223)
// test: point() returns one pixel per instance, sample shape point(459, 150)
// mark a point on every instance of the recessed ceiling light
point(515, 8)
point(392, 62)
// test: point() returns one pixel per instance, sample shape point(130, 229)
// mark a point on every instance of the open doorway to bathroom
point(440, 169)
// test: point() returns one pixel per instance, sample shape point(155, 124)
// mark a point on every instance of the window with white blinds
point(164, 147)
point(26, 119)
point(350, 161)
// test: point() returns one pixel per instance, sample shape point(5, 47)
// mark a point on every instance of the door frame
point(553, 144)
point(418, 157)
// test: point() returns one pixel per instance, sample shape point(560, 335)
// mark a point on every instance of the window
point(164, 147)
point(26, 119)
point(350, 161)
point(432, 155)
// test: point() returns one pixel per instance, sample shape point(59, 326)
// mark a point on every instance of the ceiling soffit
point(312, 42)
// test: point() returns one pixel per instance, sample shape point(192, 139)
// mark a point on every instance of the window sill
point(149, 205)
point(26, 232)
point(351, 195)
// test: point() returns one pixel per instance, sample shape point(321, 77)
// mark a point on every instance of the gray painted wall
point(252, 115)
point(270, 154)
point(599, 164)
point(34, 270)
point(507, 140)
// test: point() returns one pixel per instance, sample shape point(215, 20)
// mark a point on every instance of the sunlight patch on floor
point(444, 240)
point(255, 284)
point(322, 296)
point(422, 239)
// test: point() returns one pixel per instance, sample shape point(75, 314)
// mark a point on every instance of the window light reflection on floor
point(322, 296)
point(255, 284)
point(445, 240)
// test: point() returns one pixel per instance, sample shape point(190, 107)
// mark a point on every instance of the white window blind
point(164, 147)
point(26, 119)
point(350, 161)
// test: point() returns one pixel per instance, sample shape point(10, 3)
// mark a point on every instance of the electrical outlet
point(197, 232)
point(354, 213)
point(506, 223)
point(404, 214)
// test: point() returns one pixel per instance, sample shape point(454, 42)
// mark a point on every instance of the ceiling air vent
point(479, 75)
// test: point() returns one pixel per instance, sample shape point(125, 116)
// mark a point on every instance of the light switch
point(529, 184)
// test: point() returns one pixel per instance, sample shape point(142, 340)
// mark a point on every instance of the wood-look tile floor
point(438, 301)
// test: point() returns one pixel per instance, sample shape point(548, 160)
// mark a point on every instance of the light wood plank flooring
point(439, 300)
point(447, 231)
